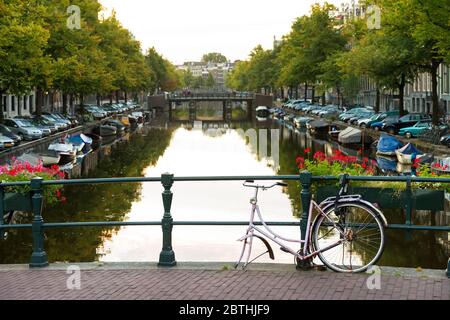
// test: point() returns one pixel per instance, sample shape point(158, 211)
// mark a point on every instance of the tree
point(238, 78)
point(214, 57)
point(22, 42)
point(210, 82)
point(311, 41)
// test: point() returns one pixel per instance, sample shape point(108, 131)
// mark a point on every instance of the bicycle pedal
point(284, 250)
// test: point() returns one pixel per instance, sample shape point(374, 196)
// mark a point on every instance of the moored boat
point(387, 145)
point(105, 130)
point(318, 127)
point(66, 151)
point(352, 135)
point(409, 154)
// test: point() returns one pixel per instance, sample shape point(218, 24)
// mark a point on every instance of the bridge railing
point(167, 256)
point(211, 95)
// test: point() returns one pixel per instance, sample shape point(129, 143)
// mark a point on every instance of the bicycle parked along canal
point(347, 234)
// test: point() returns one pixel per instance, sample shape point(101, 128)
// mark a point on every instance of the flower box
point(390, 198)
point(17, 202)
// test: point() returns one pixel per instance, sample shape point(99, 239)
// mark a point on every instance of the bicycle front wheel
point(349, 237)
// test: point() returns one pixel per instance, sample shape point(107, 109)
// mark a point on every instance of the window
point(13, 103)
point(24, 102)
point(31, 103)
point(4, 104)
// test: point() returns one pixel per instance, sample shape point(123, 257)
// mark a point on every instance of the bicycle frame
point(302, 254)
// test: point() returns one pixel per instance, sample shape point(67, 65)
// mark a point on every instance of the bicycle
point(347, 234)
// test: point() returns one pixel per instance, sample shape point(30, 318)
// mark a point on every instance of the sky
point(183, 30)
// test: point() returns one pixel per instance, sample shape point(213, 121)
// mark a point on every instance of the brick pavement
point(201, 284)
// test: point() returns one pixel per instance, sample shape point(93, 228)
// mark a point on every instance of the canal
point(194, 151)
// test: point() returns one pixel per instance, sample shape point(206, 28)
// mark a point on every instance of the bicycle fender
point(269, 248)
point(368, 204)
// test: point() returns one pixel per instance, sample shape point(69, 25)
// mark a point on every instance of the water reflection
point(189, 152)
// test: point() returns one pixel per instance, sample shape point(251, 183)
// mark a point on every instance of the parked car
point(23, 129)
point(445, 140)
point(415, 130)
point(46, 131)
point(4, 130)
point(5, 142)
point(379, 124)
point(41, 122)
point(405, 121)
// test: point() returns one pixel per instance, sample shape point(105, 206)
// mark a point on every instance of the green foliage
point(214, 57)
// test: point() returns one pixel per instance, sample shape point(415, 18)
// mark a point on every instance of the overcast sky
point(183, 30)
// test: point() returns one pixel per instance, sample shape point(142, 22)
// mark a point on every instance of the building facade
point(219, 71)
point(14, 106)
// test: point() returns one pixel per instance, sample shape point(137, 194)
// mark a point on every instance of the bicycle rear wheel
point(356, 239)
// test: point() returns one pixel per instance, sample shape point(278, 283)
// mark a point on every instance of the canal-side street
point(211, 281)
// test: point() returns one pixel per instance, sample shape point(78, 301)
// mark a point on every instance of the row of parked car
point(105, 110)
point(14, 131)
point(411, 125)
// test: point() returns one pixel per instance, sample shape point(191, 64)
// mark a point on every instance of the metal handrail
point(167, 257)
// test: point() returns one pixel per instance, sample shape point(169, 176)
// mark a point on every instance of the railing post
point(39, 256)
point(2, 212)
point(167, 256)
point(408, 206)
point(305, 180)
point(448, 268)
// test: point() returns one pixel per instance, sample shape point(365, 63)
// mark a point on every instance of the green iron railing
point(167, 256)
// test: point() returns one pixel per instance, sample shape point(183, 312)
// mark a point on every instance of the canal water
point(194, 151)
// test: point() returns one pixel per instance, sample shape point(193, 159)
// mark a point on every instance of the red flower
point(307, 150)
point(300, 160)
point(364, 166)
point(365, 159)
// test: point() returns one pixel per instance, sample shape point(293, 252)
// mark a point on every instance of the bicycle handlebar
point(248, 184)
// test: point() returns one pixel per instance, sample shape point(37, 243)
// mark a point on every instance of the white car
point(5, 142)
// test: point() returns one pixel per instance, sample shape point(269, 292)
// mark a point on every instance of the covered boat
point(350, 136)
point(409, 154)
point(67, 152)
point(105, 130)
point(82, 143)
point(47, 158)
point(353, 136)
point(387, 164)
point(387, 145)
point(317, 127)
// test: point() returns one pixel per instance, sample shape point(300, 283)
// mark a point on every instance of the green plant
point(19, 171)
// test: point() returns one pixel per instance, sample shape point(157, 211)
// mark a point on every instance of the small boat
point(96, 140)
point(31, 158)
point(120, 127)
point(409, 154)
point(386, 164)
point(125, 120)
point(353, 136)
point(105, 130)
point(300, 122)
point(82, 143)
point(318, 127)
point(49, 157)
point(66, 151)
point(333, 134)
point(387, 145)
